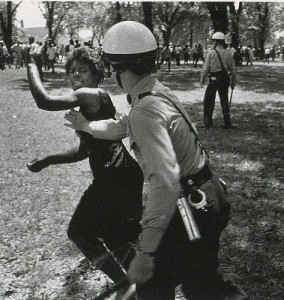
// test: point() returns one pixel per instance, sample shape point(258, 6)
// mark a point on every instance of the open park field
point(38, 262)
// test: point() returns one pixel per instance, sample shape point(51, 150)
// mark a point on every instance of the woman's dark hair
point(88, 56)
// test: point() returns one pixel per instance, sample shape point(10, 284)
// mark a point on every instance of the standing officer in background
point(218, 63)
point(169, 152)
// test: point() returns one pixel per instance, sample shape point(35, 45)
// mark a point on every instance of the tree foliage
point(177, 22)
point(54, 12)
point(259, 21)
point(167, 16)
point(194, 28)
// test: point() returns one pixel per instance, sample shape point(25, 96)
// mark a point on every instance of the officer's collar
point(144, 85)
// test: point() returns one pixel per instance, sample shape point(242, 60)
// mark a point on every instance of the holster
point(215, 216)
point(192, 182)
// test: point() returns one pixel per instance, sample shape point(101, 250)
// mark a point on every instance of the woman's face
point(81, 76)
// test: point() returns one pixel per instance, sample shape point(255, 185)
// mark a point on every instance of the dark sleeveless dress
point(111, 207)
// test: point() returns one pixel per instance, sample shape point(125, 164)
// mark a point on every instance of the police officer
point(167, 148)
point(218, 64)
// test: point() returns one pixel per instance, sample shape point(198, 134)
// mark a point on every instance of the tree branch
point(15, 8)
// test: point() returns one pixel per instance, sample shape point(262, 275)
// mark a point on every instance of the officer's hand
point(77, 120)
point(141, 268)
point(36, 165)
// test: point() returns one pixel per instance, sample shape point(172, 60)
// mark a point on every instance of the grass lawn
point(37, 261)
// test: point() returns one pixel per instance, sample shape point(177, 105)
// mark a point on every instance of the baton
point(188, 219)
point(231, 97)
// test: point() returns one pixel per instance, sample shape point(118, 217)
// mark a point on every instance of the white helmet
point(129, 37)
point(218, 36)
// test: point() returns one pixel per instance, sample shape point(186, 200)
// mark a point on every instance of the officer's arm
point(232, 68)
point(82, 97)
point(149, 130)
point(205, 68)
point(104, 129)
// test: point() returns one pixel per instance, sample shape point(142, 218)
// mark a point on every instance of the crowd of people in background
point(175, 53)
point(46, 54)
point(243, 55)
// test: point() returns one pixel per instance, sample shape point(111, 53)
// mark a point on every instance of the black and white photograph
point(141, 150)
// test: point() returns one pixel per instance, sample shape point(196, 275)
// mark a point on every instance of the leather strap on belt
point(192, 182)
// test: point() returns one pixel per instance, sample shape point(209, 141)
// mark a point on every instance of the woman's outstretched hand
point(36, 165)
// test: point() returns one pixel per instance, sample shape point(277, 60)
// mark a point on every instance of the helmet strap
point(118, 79)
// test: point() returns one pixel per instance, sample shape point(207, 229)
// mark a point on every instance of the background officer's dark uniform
point(212, 66)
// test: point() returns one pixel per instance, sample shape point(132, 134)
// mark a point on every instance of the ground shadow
point(261, 79)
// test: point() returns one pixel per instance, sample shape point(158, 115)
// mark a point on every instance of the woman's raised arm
point(84, 96)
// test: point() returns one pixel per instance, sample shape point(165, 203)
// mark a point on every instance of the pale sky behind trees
point(29, 12)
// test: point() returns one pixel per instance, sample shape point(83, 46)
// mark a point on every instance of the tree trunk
point(235, 23)
point(147, 9)
point(50, 8)
point(263, 16)
point(218, 13)
point(191, 35)
point(118, 14)
point(166, 36)
point(7, 24)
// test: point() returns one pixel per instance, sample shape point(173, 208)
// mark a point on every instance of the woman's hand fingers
point(68, 117)
point(70, 125)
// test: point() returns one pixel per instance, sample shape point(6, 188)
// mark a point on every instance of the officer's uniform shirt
point(212, 63)
point(166, 150)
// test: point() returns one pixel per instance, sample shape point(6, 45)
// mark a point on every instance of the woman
point(110, 208)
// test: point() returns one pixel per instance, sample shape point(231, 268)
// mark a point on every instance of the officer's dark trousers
point(209, 102)
point(179, 261)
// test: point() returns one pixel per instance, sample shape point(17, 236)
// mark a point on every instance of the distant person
point(199, 54)
point(2, 59)
point(70, 47)
point(32, 48)
point(218, 64)
point(8, 58)
point(272, 53)
point(77, 45)
point(195, 55)
point(267, 53)
point(173, 54)
point(17, 49)
point(178, 54)
point(51, 54)
point(186, 53)
point(249, 55)
point(166, 57)
point(62, 54)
